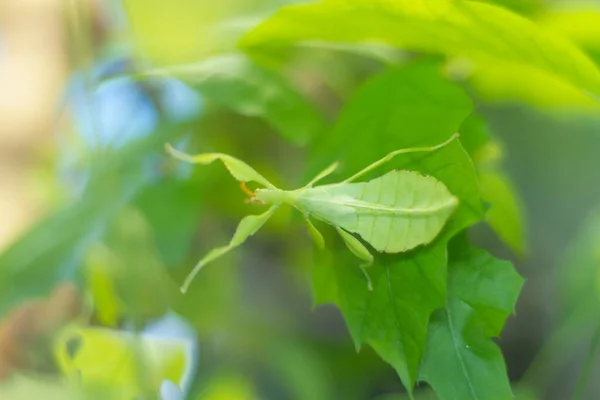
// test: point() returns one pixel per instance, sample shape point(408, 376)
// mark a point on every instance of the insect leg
point(393, 154)
point(237, 168)
point(314, 233)
point(322, 174)
point(247, 227)
point(360, 251)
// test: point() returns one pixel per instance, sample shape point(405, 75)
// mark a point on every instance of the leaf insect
point(393, 213)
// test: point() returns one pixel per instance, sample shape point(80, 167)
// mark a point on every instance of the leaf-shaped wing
point(393, 213)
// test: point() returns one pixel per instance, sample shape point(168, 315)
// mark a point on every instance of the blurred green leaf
point(53, 249)
point(461, 362)
point(505, 214)
point(412, 106)
point(235, 82)
point(580, 22)
point(228, 385)
point(303, 371)
point(579, 271)
point(141, 282)
point(508, 56)
point(134, 365)
point(520, 6)
point(172, 209)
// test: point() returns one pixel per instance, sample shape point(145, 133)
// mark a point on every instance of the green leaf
point(519, 6)
point(237, 83)
point(393, 317)
point(136, 364)
point(172, 208)
point(400, 108)
point(505, 214)
point(53, 249)
point(578, 23)
point(579, 272)
point(507, 55)
point(461, 362)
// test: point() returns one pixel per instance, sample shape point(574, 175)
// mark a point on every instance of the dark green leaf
point(461, 362)
point(400, 108)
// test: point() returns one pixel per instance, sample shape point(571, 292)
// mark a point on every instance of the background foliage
point(289, 88)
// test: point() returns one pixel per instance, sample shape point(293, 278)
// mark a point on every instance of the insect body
point(395, 212)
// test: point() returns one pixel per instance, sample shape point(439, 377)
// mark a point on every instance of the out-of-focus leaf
point(172, 209)
point(181, 30)
point(508, 56)
point(226, 386)
point(133, 364)
point(99, 273)
point(142, 284)
point(579, 22)
point(505, 213)
point(301, 370)
point(400, 108)
point(235, 82)
point(461, 362)
point(579, 273)
point(519, 6)
point(52, 250)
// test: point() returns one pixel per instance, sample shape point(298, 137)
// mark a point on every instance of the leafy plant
point(419, 79)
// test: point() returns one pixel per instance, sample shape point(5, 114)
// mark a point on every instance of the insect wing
point(393, 213)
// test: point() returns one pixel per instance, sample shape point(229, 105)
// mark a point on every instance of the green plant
point(298, 87)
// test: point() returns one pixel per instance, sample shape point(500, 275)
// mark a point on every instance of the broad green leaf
point(392, 318)
point(579, 23)
point(521, 6)
point(461, 361)
point(184, 30)
point(235, 82)
point(53, 249)
point(505, 214)
point(401, 108)
point(507, 55)
point(407, 107)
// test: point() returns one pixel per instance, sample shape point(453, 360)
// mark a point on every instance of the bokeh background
point(85, 186)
